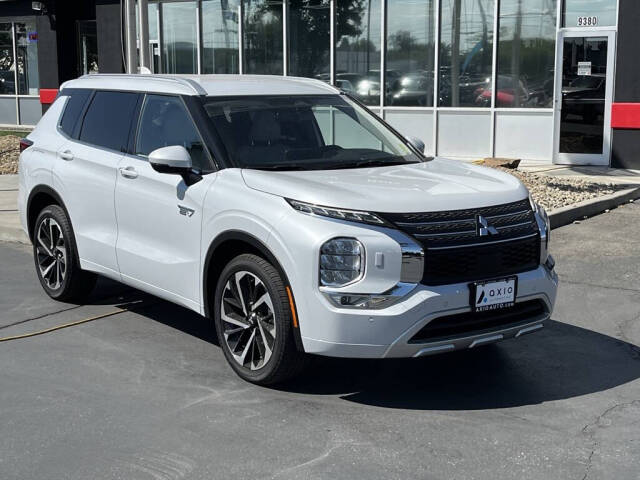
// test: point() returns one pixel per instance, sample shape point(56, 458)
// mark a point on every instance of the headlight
point(341, 262)
point(338, 213)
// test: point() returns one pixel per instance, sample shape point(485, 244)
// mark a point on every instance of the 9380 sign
point(587, 21)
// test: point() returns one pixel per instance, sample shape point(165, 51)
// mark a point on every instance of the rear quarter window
point(108, 119)
point(72, 110)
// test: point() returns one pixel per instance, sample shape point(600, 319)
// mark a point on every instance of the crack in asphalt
point(592, 434)
point(44, 315)
point(594, 285)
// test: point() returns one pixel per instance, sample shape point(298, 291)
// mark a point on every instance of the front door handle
point(128, 172)
point(66, 155)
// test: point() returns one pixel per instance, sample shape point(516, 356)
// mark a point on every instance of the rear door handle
point(66, 155)
point(128, 172)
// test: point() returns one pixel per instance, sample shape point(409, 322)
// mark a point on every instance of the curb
point(589, 208)
point(13, 234)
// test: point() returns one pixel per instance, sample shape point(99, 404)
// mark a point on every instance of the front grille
point(455, 251)
point(478, 322)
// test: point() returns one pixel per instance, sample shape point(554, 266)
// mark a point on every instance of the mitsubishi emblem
point(483, 228)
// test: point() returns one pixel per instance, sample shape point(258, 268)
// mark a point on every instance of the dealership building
point(554, 81)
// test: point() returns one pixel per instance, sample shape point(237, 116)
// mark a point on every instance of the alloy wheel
point(248, 320)
point(51, 253)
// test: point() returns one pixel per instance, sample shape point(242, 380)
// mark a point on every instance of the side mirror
point(174, 160)
point(416, 143)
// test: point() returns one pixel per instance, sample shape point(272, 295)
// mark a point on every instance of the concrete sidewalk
point(10, 228)
point(615, 176)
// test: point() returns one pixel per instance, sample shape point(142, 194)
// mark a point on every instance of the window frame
point(133, 140)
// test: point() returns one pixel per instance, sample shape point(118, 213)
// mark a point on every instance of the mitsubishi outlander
point(286, 212)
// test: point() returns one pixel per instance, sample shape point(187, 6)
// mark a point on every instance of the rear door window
point(165, 122)
point(73, 110)
point(108, 119)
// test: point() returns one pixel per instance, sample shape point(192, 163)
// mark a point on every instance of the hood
point(437, 185)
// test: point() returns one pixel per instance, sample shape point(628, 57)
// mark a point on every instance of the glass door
point(584, 90)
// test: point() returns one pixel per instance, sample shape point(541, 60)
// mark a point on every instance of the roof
point(213, 85)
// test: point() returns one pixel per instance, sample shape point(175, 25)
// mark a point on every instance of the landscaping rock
point(9, 153)
point(557, 192)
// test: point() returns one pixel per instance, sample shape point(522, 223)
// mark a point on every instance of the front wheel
point(254, 321)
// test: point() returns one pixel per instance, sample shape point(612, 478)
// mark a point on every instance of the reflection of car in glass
point(346, 86)
point(291, 216)
point(511, 92)
point(366, 86)
point(7, 82)
point(584, 96)
point(412, 89)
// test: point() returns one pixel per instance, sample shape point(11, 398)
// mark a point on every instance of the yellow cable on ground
point(64, 325)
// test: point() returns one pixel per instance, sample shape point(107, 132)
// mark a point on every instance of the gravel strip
point(556, 192)
point(9, 153)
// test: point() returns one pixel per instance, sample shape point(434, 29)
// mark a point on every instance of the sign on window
point(584, 69)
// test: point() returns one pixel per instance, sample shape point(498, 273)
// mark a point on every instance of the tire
point(258, 343)
point(56, 258)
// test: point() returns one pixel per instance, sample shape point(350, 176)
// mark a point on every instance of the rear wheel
point(56, 258)
point(254, 322)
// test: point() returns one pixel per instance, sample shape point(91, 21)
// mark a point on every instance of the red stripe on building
point(48, 95)
point(625, 115)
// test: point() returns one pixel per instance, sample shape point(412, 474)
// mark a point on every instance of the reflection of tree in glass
point(263, 37)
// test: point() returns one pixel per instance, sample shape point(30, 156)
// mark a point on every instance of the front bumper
point(391, 332)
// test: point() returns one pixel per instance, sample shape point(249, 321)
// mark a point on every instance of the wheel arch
point(40, 197)
point(225, 247)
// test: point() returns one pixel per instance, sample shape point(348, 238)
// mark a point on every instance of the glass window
point(590, 13)
point(220, 36)
point(410, 53)
point(263, 37)
point(7, 68)
point(309, 38)
point(526, 54)
point(304, 132)
point(153, 20)
point(108, 119)
point(165, 122)
point(87, 46)
point(27, 53)
point(72, 110)
point(179, 38)
point(358, 48)
point(466, 51)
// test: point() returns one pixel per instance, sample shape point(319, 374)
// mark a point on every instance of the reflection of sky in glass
point(179, 22)
point(605, 10)
point(219, 29)
point(538, 17)
point(474, 15)
point(405, 18)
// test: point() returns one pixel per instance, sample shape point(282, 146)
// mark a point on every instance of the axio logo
point(483, 227)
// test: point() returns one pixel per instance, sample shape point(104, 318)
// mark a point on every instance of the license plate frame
point(497, 300)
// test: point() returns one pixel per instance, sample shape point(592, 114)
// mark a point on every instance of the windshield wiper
point(278, 167)
point(373, 163)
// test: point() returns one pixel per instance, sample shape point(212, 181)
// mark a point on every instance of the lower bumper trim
point(434, 350)
point(486, 340)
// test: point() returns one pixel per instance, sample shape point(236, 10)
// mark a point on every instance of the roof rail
point(187, 82)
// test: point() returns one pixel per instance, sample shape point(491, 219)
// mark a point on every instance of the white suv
point(287, 212)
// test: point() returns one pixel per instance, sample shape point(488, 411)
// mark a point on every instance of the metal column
point(130, 47)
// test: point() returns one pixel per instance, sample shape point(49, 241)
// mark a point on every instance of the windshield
point(586, 82)
point(304, 132)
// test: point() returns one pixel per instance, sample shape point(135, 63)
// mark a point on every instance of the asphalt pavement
point(147, 394)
